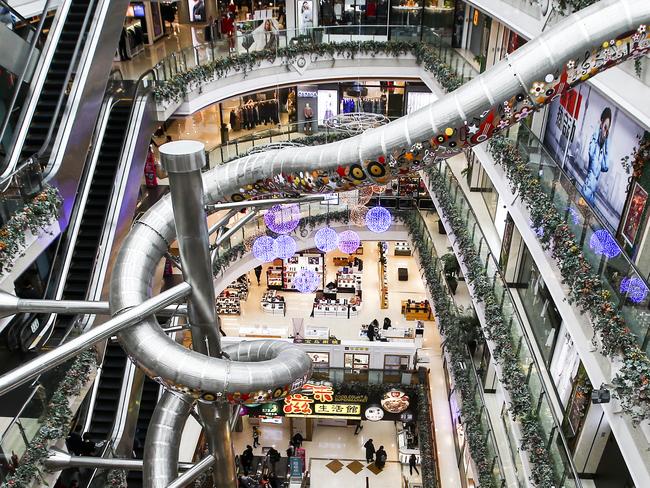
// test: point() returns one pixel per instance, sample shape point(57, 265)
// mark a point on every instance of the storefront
point(143, 25)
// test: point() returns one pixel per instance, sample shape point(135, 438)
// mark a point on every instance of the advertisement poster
point(157, 20)
point(590, 137)
point(328, 101)
point(197, 10)
point(634, 213)
point(305, 16)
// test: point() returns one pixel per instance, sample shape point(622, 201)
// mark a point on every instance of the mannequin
point(308, 113)
point(328, 108)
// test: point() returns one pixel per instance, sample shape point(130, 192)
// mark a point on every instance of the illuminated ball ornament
point(264, 249)
point(306, 281)
point(358, 215)
point(634, 288)
point(284, 247)
point(349, 241)
point(326, 239)
point(378, 219)
point(282, 219)
point(602, 242)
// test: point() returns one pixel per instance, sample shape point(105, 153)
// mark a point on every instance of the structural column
point(183, 161)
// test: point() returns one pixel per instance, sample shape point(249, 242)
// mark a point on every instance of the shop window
point(359, 362)
point(396, 362)
point(320, 360)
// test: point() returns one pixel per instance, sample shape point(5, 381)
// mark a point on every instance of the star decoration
point(473, 129)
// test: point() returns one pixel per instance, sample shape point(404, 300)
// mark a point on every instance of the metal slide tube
point(183, 161)
point(164, 439)
point(374, 157)
point(193, 473)
point(33, 368)
point(11, 305)
point(58, 460)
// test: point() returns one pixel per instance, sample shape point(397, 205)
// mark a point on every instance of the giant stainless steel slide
point(576, 49)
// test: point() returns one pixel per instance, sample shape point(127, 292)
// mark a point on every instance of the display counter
point(416, 310)
point(402, 249)
point(340, 308)
point(390, 334)
point(317, 332)
point(263, 331)
point(273, 303)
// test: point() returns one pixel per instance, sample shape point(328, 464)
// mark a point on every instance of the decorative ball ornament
point(284, 247)
point(349, 198)
point(264, 249)
point(349, 241)
point(602, 242)
point(378, 189)
point(365, 194)
point(358, 215)
point(326, 239)
point(250, 240)
point(306, 281)
point(282, 219)
point(378, 219)
point(634, 288)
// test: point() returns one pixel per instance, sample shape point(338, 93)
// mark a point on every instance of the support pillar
point(183, 161)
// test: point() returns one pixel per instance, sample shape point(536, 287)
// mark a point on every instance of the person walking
point(258, 273)
point(413, 462)
point(247, 459)
point(256, 437)
point(358, 427)
point(370, 450)
point(380, 458)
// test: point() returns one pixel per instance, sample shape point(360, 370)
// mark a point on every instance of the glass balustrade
point(559, 451)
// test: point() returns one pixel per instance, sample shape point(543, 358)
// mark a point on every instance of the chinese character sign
point(298, 403)
point(321, 393)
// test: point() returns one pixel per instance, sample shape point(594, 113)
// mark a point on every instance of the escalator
point(72, 33)
point(148, 401)
point(108, 392)
point(94, 215)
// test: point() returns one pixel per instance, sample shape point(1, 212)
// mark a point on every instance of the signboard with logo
point(322, 400)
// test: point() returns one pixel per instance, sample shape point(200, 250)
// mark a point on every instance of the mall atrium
point(325, 243)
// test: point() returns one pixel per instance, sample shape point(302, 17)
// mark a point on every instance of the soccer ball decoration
point(358, 215)
point(264, 249)
point(284, 247)
point(634, 288)
point(306, 281)
point(282, 219)
point(349, 241)
point(602, 242)
point(326, 239)
point(378, 219)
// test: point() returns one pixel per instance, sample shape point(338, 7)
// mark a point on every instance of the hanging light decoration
point(358, 215)
point(365, 194)
point(326, 239)
point(379, 219)
point(306, 281)
point(349, 241)
point(602, 242)
point(263, 249)
point(284, 247)
point(378, 189)
point(250, 240)
point(282, 219)
point(634, 288)
point(349, 198)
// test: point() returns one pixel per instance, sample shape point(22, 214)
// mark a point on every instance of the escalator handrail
point(72, 68)
point(19, 82)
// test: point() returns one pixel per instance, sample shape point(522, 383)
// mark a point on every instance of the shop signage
point(307, 94)
point(337, 409)
point(299, 340)
point(271, 409)
point(295, 467)
point(395, 401)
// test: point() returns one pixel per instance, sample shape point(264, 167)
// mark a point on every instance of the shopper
point(258, 273)
point(273, 480)
point(256, 437)
point(291, 450)
point(247, 459)
point(297, 440)
point(210, 31)
point(413, 461)
point(370, 450)
point(358, 427)
point(274, 457)
point(371, 332)
point(380, 458)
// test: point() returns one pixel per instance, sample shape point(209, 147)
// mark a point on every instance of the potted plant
point(451, 268)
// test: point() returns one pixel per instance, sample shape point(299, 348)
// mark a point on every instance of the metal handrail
point(524, 332)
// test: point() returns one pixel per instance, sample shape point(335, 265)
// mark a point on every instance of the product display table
point(263, 331)
point(416, 310)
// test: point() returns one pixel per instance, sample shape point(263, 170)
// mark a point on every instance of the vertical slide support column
point(183, 161)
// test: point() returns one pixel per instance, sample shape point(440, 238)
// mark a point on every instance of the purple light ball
point(306, 281)
point(378, 219)
point(282, 219)
point(326, 239)
point(349, 241)
point(263, 249)
point(602, 242)
point(284, 247)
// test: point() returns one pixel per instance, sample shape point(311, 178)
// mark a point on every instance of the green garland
point(180, 84)
point(116, 479)
point(40, 212)
point(497, 330)
point(55, 422)
point(632, 383)
point(569, 6)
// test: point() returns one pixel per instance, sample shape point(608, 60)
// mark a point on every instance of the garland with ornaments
point(38, 213)
point(497, 330)
point(585, 288)
point(54, 423)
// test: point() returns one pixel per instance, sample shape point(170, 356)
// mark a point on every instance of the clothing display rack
point(375, 105)
point(133, 38)
point(251, 114)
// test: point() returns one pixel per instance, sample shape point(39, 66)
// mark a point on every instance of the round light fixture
point(282, 219)
point(349, 241)
point(358, 215)
point(306, 281)
point(378, 219)
point(326, 239)
point(602, 242)
point(634, 289)
point(264, 249)
point(284, 247)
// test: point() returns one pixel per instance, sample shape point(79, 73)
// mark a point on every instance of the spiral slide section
point(579, 47)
